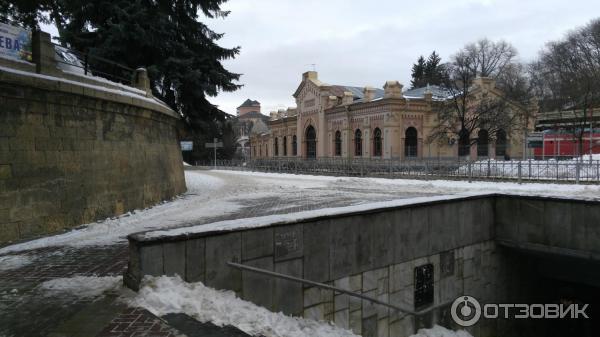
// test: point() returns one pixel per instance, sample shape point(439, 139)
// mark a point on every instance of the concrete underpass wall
point(72, 153)
point(373, 253)
point(547, 225)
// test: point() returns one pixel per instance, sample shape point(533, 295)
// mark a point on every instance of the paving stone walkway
point(25, 310)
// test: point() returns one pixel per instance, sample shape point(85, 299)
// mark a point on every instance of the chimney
point(273, 115)
point(392, 89)
point(332, 101)
point(312, 75)
point(369, 93)
point(428, 95)
point(348, 98)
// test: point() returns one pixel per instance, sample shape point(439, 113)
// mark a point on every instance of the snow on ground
point(439, 331)
point(262, 221)
point(81, 286)
point(9, 262)
point(208, 196)
point(431, 187)
point(163, 295)
point(223, 194)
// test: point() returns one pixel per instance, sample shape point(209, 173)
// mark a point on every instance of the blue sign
point(15, 42)
point(187, 146)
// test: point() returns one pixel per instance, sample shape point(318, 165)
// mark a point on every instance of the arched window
point(285, 146)
point(260, 149)
point(311, 142)
point(464, 143)
point(500, 143)
point(410, 142)
point(276, 147)
point(357, 143)
point(294, 146)
point(338, 143)
point(482, 143)
point(377, 146)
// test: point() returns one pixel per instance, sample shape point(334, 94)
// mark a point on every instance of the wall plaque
point(288, 242)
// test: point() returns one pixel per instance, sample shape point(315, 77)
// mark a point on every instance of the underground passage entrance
point(556, 280)
point(399, 266)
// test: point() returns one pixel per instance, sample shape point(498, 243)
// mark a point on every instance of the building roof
point(259, 127)
point(437, 92)
point(253, 114)
point(248, 103)
point(338, 90)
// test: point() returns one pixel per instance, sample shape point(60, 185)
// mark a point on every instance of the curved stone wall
point(73, 152)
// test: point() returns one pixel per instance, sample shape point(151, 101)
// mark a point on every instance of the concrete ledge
point(99, 90)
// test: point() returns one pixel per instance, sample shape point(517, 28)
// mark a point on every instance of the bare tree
point(470, 107)
point(567, 77)
point(488, 58)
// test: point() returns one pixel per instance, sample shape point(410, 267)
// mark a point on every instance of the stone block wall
point(548, 225)
point(73, 153)
point(374, 253)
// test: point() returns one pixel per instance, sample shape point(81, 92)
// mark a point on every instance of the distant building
point(249, 120)
point(356, 122)
point(247, 107)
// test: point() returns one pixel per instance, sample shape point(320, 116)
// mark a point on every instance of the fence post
point(141, 81)
point(577, 168)
point(520, 172)
point(470, 171)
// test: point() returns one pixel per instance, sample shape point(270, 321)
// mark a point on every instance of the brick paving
point(26, 311)
point(134, 322)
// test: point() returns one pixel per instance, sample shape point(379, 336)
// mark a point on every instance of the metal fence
point(87, 63)
point(569, 171)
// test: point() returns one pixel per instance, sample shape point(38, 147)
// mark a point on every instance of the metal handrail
point(335, 289)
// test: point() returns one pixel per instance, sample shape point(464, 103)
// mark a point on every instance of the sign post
point(215, 145)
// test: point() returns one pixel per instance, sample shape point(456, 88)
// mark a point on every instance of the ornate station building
point(354, 122)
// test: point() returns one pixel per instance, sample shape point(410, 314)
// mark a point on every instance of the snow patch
point(439, 331)
point(81, 286)
point(164, 295)
point(199, 203)
point(263, 221)
point(10, 262)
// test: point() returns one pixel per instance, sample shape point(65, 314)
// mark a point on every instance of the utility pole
point(215, 144)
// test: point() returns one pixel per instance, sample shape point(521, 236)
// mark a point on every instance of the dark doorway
point(500, 144)
point(338, 143)
point(311, 142)
point(482, 143)
point(377, 144)
point(410, 142)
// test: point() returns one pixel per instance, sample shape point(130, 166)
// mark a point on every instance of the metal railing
point(269, 273)
point(567, 170)
point(90, 64)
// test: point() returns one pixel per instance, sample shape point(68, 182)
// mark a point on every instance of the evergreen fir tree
point(418, 72)
point(167, 37)
point(433, 70)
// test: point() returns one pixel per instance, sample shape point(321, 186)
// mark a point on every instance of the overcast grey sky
point(368, 42)
point(362, 43)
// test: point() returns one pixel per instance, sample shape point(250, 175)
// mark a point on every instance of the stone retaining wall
point(73, 153)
